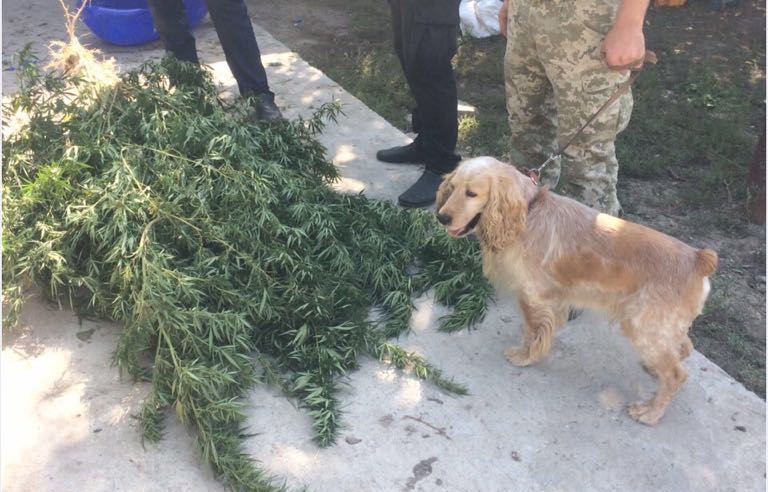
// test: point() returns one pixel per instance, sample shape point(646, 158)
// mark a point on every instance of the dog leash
point(650, 57)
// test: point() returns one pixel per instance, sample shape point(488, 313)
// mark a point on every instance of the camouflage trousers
point(556, 79)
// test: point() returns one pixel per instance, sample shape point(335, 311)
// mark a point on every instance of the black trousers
point(230, 17)
point(425, 45)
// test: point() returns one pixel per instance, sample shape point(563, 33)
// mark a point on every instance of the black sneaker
point(405, 154)
point(423, 192)
point(265, 109)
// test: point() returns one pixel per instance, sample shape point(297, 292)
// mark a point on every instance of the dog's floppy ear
point(445, 190)
point(504, 215)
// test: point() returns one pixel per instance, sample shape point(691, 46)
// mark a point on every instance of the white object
point(479, 18)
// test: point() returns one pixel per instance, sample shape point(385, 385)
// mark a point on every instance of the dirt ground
point(684, 156)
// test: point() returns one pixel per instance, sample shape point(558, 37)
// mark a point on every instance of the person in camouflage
point(563, 60)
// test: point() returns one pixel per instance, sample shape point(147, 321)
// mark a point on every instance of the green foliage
point(219, 246)
point(660, 137)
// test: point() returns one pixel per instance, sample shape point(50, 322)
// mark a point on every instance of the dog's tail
point(706, 262)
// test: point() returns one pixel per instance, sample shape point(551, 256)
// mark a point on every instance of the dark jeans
point(425, 50)
point(230, 17)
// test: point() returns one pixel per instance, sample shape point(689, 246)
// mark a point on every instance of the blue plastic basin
point(129, 22)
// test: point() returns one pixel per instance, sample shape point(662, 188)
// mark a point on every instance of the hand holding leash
point(636, 67)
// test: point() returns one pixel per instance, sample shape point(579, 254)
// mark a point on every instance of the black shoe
point(401, 155)
point(574, 313)
point(265, 109)
point(423, 191)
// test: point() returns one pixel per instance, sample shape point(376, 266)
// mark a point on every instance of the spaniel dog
point(554, 253)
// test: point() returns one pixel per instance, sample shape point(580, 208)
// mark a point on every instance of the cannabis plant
point(219, 246)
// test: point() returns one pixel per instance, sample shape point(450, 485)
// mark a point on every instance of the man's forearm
point(631, 14)
point(624, 45)
point(503, 18)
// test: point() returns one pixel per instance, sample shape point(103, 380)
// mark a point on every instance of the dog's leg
point(538, 331)
point(562, 314)
point(664, 363)
point(629, 331)
point(671, 376)
point(686, 348)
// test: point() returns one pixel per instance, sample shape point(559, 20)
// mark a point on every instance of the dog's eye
point(471, 194)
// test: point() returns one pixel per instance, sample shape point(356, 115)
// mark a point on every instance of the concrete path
point(558, 426)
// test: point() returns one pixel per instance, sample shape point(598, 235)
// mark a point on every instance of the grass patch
point(375, 78)
point(482, 136)
point(697, 121)
point(480, 76)
point(739, 354)
point(720, 333)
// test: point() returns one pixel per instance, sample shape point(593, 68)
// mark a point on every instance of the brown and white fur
point(554, 253)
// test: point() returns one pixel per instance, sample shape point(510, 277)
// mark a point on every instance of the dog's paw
point(518, 356)
point(645, 413)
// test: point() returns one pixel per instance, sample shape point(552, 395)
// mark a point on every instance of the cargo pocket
point(602, 80)
point(598, 86)
point(595, 18)
point(598, 16)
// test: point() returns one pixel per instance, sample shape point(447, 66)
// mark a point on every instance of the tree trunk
point(756, 183)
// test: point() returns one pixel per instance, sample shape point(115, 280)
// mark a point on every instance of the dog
point(555, 254)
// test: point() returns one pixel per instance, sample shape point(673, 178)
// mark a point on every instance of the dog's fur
point(554, 253)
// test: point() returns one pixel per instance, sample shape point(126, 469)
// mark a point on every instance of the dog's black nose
point(444, 219)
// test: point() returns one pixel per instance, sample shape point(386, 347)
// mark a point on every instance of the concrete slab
point(68, 418)
point(558, 426)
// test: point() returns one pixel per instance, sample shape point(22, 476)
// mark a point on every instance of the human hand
point(624, 47)
point(503, 18)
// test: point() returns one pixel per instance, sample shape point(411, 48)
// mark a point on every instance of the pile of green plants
point(218, 244)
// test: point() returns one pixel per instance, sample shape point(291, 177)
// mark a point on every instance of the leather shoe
point(401, 155)
point(423, 192)
point(265, 108)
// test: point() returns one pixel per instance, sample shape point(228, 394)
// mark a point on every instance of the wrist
point(629, 25)
point(631, 15)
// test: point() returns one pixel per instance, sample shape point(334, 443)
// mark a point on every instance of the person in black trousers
point(230, 17)
point(425, 38)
